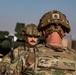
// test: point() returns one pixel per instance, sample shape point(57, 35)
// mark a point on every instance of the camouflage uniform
point(48, 60)
point(42, 60)
point(29, 29)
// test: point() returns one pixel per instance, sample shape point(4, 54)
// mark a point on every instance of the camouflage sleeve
point(18, 68)
point(13, 68)
point(5, 62)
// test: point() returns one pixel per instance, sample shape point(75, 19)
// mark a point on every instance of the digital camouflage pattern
point(46, 61)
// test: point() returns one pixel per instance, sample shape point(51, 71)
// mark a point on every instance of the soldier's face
point(32, 40)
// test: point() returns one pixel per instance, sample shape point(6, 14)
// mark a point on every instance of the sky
point(30, 11)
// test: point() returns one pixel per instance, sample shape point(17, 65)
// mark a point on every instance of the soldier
point(52, 58)
point(30, 34)
point(59, 60)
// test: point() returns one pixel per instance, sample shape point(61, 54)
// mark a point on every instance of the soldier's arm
point(15, 67)
point(18, 69)
point(5, 62)
point(7, 58)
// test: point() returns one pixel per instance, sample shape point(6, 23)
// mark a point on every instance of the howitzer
point(3, 34)
point(5, 39)
point(4, 42)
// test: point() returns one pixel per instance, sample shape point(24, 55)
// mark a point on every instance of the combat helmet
point(54, 17)
point(31, 29)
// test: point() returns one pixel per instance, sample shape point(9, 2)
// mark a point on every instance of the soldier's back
point(56, 61)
